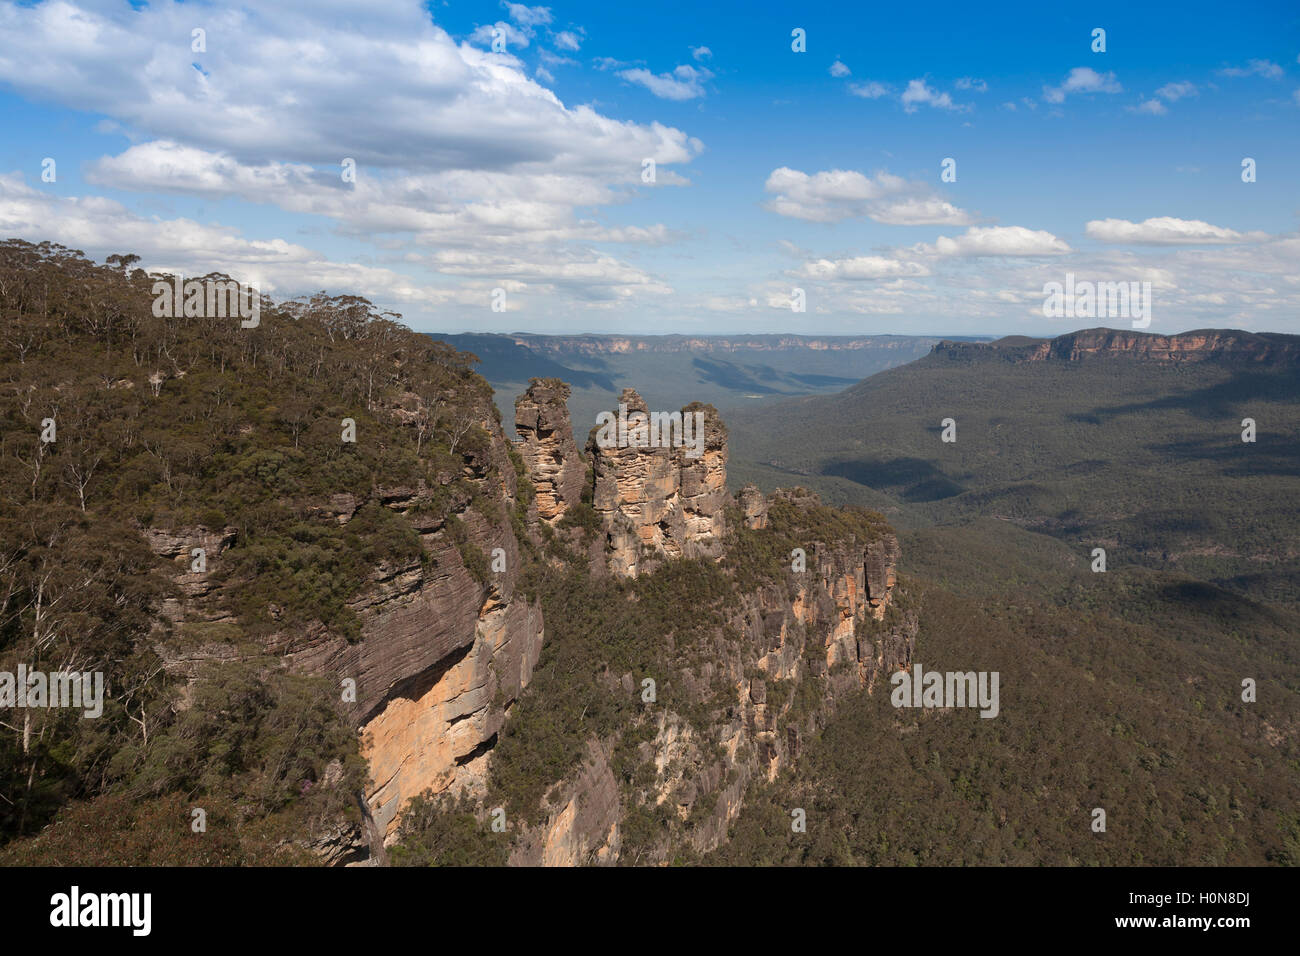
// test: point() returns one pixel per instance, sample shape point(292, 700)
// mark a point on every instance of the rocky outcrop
point(583, 825)
point(659, 496)
point(787, 655)
point(192, 573)
point(550, 454)
point(444, 649)
point(753, 506)
point(443, 654)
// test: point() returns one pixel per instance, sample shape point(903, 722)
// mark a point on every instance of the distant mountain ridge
point(727, 371)
point(621, 344)
point(1197, 345)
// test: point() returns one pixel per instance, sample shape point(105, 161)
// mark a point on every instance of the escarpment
point(446, 639)
point(797, 613)
point(823, 622)
point(1198, 346)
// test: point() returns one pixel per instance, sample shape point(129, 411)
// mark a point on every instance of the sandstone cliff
point(444, 649)
point(660, 502)
point(768, 677)
point(553, 460)
point(1198, 346)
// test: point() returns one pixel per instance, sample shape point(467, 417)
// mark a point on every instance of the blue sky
point(521, 169)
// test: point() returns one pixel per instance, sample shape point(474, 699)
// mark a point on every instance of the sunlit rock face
point(660, 491)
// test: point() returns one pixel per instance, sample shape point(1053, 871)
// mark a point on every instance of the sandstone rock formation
point(827, 624)
point(660, 502)
point(754, 506)
point(546, 443)
point(442, 652)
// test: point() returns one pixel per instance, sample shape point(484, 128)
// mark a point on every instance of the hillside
point(1127, 684)
point(338, 615)
point(1127, 441)
point(342, 619)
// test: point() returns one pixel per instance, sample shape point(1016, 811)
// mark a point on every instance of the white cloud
point(567, 40)
point(488, 32)
point(869, 91)
point(683, 83)
point(463, 153)
point(1264, 68)
point(862, 267)
point(1166, 230)
point(1082, 79)
point(1176, 91)
point(525, 16)
point(701, 53)
point(839, 69)
point(997, 241)
point(918, 92)
point(970, 83)
point(1152, 107)
point(838, 194)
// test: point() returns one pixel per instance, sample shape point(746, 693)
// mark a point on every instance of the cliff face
point(660, 502)
point(785, 655)
point(826, 633)
point(445, 650)
point(554, 462)
point(442, 653)
point(1211, 344)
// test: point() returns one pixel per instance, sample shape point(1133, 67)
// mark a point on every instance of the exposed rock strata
point(1212, 344)
point(550, 454)
point(660, 502)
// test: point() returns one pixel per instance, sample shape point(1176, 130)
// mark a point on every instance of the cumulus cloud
point(839, 69)
point(1264, 68)
point(919, 93)
point(567, 40)
point(997, 241)
point(970, 83)
point(1176, 91)
point(684, 83)
point(526, 16)
point(869, 91)
point(1082, 79)
point(701, 53)
point(838, 194)
point(1152, 107)
point(1169, 93)
point(1166, 230)
point(464, 151)
point(862, 267)
point(297, 98)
